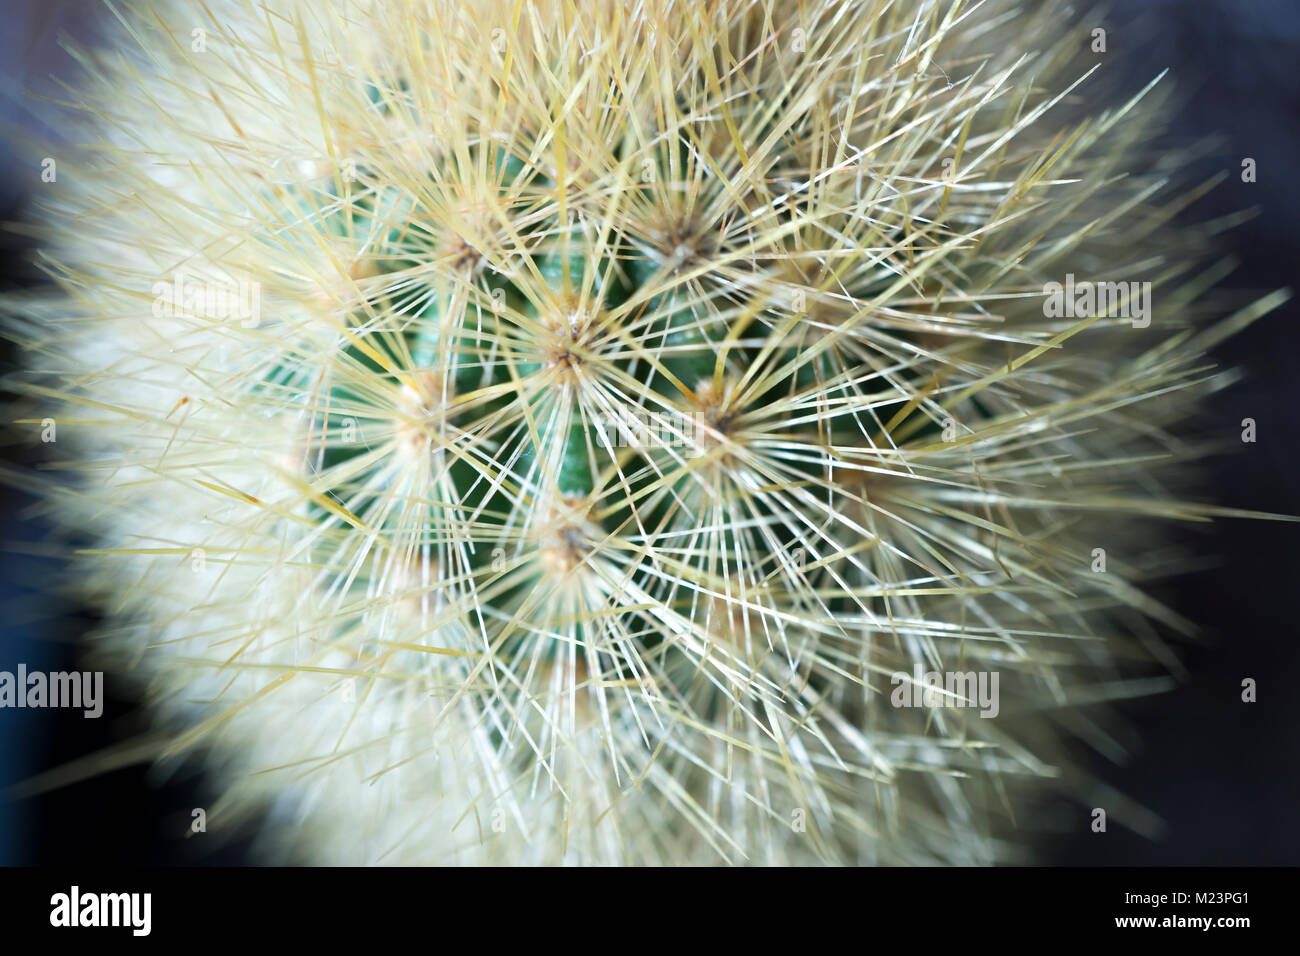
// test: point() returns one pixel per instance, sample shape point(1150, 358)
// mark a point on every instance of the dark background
point(1223, 775)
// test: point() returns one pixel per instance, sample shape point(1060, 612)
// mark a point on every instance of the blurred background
point(1223, 776)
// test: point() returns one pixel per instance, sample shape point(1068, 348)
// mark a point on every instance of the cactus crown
point(634, 392)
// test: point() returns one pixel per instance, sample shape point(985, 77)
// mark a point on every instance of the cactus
point(567, 432)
